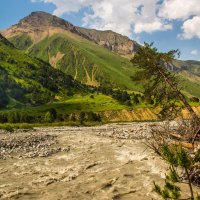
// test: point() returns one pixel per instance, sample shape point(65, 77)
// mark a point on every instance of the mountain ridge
point(36, 21)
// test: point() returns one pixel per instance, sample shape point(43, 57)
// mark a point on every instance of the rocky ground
point(88, 163)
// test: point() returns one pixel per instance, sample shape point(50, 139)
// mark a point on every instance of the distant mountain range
point(90, 56)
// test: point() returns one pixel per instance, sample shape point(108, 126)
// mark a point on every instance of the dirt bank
point(139, 114)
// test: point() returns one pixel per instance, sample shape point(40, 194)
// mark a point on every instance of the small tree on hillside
point(82, 117)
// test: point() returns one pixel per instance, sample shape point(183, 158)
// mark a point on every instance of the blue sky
point(170, 24)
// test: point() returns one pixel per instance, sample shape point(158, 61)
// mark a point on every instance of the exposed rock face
point(41, 22)
point(111, 40)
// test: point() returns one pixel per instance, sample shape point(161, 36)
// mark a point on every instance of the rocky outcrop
point(113, 41)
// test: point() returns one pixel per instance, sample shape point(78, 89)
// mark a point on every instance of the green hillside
point(26, 80)
point(189, 66)
point(84, 60)
point(92, 64)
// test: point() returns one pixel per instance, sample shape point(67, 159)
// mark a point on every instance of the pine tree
point(161, 84)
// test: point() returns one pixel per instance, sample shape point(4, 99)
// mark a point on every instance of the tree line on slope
point(49, 116)
point(133, 98)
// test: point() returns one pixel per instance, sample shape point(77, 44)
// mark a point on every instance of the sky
point(170, 24)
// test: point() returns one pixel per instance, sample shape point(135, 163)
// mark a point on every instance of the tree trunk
point(195, 118)
point(190, 184)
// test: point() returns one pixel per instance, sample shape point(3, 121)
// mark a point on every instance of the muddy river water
point(80, 163)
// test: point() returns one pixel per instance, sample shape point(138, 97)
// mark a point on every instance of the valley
point(94, 115)
point(47, 61)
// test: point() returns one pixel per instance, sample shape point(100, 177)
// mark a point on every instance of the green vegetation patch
point(21, 41)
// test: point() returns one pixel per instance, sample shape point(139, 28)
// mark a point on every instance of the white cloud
point(188, 11)
point(191, 28)
point(151, 27)
point(135, 16)
point(138, 16)
point(179, 9)
point(194, 52)
point(65, 6)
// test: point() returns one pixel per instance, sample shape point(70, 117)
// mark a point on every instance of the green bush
point(48, 118)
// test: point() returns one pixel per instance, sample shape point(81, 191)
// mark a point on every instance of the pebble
point(28, 145)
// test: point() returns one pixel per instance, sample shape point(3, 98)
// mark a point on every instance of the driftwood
point(181, 134)
point(185, 144)
point(186, 137)
point(174, 135)
point(177, 134)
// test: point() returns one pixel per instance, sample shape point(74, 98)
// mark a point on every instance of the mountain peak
point(43, 19)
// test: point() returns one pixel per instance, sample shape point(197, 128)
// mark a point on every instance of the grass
point(11, 127)
point(190, 88)
point(24, 79)
point(83, 55)
point(76, 104)
point(79, 103)
point(25, 126)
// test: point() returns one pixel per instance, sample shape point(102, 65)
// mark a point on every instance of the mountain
point(26, 80)
point(90, 56)
point(109, 39)
point(191, 66)
point(70, 49)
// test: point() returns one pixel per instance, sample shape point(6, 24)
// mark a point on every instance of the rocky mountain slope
point(28, 80)
point(191, 66)
point(38, 20)
point(115, 42)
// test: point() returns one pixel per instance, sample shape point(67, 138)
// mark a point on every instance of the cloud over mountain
point(186, 11)
point(134, 16)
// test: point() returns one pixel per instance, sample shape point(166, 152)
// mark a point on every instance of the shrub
point(194, 99)
point(48, 118)
point(82, 117)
